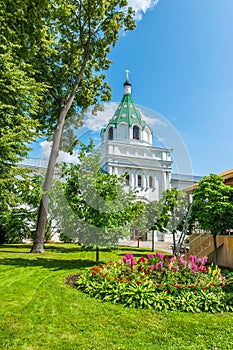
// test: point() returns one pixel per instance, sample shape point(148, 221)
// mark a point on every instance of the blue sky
point(180, 59)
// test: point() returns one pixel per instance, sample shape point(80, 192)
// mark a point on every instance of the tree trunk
point(97, 255)
point(153, 241)
point(38, 244)
point(215, 249)
point(64, 108)
point(138, 242)
point(174, 243)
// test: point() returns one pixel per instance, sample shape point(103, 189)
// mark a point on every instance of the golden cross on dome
point(127, 74)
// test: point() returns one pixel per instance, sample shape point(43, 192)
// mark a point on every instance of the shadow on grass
point(53, 264)
point(14, 248)
point(130, 248)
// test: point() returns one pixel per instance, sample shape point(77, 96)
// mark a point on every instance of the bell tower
point(126, 147)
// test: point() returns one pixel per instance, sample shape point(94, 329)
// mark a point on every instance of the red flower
point(142, 259)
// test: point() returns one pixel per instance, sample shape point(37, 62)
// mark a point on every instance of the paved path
point(163, 246)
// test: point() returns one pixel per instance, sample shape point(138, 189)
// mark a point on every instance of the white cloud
point(62, 156)
point(142, 6)
point(153, 121)
point(101, 119)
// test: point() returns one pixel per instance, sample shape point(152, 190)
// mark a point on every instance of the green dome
point(127, 113)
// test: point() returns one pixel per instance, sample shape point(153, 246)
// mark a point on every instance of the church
point(126, 147)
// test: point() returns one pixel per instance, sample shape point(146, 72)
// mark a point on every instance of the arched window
point(136, 132)
point(110, 133)
point(139, 181)
point(127, 180)
point(122, 131)
point(150, 181)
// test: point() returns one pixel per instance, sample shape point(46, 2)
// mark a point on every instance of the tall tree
point(81, 33)
point(97, 211)
point(20, 93)
point(213, 207)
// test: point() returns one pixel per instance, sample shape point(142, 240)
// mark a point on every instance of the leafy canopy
point(213, 205)
point(101, 210)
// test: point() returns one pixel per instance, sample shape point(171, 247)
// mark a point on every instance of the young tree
point(213, 207)
point(150, 219)
point(97, 210)
point(175, 208)
point(18, 218)
point(81, 35)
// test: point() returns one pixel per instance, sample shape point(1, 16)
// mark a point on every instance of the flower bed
point(160, 283)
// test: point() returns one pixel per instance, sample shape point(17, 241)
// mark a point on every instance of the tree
point(81, 35)
point(150, 219)
point(213, 207)
point(175, 208)
point(18, 218)
point(97, 210)
point(20, 93)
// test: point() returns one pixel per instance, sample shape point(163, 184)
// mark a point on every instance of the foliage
point(80, 35)
point(150, 218)
point(95, 209)
point(159, 283)
point(213, 206)
point(175, 208)
point(34, 297)
point(18, 218)
point(20, 93)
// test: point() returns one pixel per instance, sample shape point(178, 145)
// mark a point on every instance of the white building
point(126, 147)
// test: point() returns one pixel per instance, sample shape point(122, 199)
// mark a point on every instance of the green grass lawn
point(38, 311)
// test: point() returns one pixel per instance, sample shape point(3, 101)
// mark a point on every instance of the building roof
point(228, 176)
point(228, 180)
point(126, 111)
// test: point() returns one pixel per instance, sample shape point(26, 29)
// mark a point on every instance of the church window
point(134, 116)
point(110, 133)
point(150, 181)
point(127, 180)
point(136, 132)
point(139, 181)
point(123, 115)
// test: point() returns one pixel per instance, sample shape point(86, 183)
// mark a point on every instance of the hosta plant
point(159, 282)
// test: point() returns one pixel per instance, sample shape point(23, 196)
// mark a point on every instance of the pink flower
point(159, 266)
point(201, 268)
point(150, 256)
point(172, 259)
point(204, 260)
point(182, 261)
point(169, 267)
point(151, 267)
point(159, 255)
point(194, 269)
point(176, 268)
point(129, 259)
point(193, 258)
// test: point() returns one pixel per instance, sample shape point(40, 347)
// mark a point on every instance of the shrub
point(160, 283)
